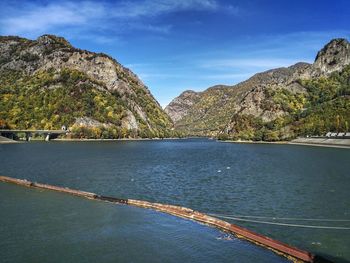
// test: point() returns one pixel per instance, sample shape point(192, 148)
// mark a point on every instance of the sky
point(176, 45)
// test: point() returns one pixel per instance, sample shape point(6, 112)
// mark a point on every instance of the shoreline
point(320, 145)
point(5, 140)
point(301, 142)
point(294, 142)
point(14, 142)
point(112, 140)
point(254, 142)
point(91, 140)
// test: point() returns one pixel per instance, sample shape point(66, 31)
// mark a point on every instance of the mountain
point(273, 105)
point(180, 106)
point(46, 83)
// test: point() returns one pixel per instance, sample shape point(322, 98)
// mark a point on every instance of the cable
point(287, 218)
point(282, 224)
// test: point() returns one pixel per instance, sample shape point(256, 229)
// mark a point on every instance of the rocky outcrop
point(104, 92)
point(89, 122)
point(180, 106)
point(217, 109)
point(333, 56)
point(52, 52)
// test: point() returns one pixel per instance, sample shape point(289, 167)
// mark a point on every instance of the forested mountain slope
point(274, 105)
point(47, 83)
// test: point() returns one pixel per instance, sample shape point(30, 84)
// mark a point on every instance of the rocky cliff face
point(86, 85)
point(180, 106)
point(262, 98)
point(333, 56)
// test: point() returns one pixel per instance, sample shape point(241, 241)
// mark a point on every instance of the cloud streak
point(34, 19)
point(248, 63)
point(151, 8)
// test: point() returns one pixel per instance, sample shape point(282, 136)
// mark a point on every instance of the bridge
point(48, 134)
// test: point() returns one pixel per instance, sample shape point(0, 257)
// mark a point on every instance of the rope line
point(281, 224)
point(287, 218)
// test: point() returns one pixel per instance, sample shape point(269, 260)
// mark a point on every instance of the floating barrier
point(292, 253)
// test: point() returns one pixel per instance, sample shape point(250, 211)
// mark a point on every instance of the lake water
point(284, 181)
point(43, 226)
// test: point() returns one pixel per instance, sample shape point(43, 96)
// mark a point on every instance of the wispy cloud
point(147, 76)
point(247, 63)
point(33, 19)
point(150, 28)
point(147, 8)
point(37, 18)
point(228, 76)
point(230, 63)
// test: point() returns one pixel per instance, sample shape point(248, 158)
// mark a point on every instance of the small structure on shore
point(47, 134)
point(335, 135)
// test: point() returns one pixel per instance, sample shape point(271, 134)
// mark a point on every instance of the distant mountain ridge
point(46, 83)
point(255, 104)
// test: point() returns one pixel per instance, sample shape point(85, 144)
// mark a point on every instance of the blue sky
point(175, 45)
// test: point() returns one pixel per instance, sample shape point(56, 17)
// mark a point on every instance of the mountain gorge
point(274, 105)
point(47, 83)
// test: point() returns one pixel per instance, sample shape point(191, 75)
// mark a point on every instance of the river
point(249, 181)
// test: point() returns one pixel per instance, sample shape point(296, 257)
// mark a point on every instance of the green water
point(44, 226)
point(213, 177)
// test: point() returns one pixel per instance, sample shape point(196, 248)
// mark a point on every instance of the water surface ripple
point(209, 176)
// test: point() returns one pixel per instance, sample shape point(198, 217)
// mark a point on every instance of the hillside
point(182, 104)
point(47, 83)
point(277, 104)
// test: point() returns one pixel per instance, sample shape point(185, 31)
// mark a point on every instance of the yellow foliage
point(110, 114)
point(6, 97)
point(97, 132)
point(48, 126)
point(15, 111)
